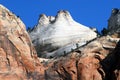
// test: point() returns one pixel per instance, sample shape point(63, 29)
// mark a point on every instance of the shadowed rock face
point(114, 21)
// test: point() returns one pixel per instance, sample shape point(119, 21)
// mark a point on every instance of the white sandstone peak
point(60, 31)
point(43, 20)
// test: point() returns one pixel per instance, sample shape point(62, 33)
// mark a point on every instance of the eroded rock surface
point(18, 57)
point(114, 21)
point(54, 33)
point(95, 61)
point(98, 59)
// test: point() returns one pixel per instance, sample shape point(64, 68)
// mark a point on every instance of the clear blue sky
point(92, 13)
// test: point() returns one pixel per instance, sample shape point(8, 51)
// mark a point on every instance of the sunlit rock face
point(53, 33)
point(17, 55)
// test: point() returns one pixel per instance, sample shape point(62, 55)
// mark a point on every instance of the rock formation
point(114, 21)
point(18, 58)
point(52, 33)
point(97, 59)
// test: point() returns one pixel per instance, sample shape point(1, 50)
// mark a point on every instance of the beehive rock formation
point(53, 33)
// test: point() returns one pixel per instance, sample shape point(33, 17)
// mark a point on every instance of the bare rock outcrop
point(53, 33)
point(18, 58)
point(91, 62)
point(97, 59)
point(114, 21)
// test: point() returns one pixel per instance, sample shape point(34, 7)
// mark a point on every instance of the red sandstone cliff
point(18, 57)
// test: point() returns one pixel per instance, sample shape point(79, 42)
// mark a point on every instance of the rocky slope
point(98, 59)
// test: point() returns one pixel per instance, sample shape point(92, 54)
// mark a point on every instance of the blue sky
point(92, 13)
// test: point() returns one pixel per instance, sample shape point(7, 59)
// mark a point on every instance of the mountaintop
point(53, 33)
